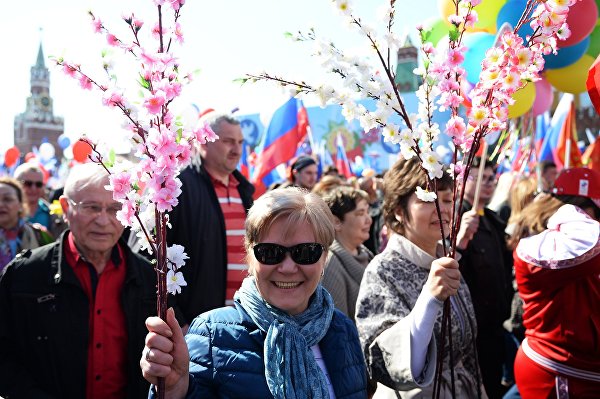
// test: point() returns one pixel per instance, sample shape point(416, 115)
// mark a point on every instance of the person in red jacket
point(558, 276)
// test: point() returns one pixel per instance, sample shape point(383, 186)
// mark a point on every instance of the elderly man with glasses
point(486, 265)
point(72, 313)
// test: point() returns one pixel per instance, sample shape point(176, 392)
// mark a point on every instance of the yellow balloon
point(524, 99)
point(487, 14)
point(571, 79)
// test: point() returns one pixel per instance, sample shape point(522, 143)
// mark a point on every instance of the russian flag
point(341, 159)
point(286, 131)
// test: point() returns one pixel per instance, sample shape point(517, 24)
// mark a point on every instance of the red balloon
point(11, 156)
point(582, 19)
point(81, 150)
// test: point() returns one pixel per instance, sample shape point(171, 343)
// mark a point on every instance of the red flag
point(566, 133)
point(591, 156)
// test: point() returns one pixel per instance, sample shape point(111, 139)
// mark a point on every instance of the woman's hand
point(166, 355)
point(444, 278)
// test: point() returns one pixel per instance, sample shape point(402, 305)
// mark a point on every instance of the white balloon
point(68, 152)
point(46, 151)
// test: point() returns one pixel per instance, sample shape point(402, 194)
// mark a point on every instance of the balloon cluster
point(565, 71)
point(45, 154)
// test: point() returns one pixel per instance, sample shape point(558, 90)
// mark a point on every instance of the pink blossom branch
point(99, 159)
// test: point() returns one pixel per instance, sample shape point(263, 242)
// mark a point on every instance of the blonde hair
point(296, 206)
point(521, 194)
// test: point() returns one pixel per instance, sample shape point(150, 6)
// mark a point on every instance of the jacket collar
point(61, 272)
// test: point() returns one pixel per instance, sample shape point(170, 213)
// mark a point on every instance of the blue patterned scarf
point(290, 366)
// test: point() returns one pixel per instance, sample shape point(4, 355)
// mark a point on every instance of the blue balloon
point(63, 141)
point(511, 12)
point(567, 55)
point(390, 148)
point(477, 44)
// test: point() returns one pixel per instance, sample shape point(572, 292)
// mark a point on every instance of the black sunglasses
point(29, 183)
point(306, 253)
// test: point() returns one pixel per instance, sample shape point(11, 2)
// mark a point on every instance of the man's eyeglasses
point(484, 180)
point(30, 183)
point(306, 253)
point(93, 209)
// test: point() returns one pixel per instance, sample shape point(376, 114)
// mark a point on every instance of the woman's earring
point(322, 272)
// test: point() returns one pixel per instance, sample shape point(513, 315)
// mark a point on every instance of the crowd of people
point(323, 287)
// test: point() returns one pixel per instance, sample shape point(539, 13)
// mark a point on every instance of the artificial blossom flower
point(177, 256)
point(175, 281)
point(426, 195)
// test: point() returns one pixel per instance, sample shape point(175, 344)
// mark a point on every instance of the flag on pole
point(244, 164)
point(549, 146)
point(285, 132)
point(568, 143)
point(341, 159)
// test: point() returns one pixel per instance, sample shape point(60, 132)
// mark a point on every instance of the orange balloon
point(11, 156)
point(81, 150)
point(447, 8)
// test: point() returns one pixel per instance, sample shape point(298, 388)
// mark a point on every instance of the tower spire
point(40, 63)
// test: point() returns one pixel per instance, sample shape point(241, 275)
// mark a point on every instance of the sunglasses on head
point(306, 253)
point(29, 183)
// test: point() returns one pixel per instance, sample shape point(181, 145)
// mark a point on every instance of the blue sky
point(224, 39)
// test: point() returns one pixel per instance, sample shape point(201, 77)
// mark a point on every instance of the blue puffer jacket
point(226, 357)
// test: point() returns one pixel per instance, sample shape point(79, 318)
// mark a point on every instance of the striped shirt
point(235, 217)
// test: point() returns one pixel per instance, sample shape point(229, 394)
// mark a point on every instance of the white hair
point(85, 175)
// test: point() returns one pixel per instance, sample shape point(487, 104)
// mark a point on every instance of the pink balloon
point(543, 97)
point(582, 19)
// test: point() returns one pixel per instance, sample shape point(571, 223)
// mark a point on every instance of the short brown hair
point(342, 200)
point(14, 183)
point(399, 183)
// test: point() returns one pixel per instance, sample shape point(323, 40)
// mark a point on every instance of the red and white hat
point(583, 182)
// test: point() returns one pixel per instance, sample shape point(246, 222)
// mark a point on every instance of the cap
point(583, 182)
point(302, 162)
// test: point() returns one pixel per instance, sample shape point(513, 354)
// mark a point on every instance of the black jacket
point(198, 224)
point(44, 324)
point(486, 265)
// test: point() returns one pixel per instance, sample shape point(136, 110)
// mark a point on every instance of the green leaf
point(111, 156)
point(179, 134)
point(241, 81)
point(288, 35)
point(454, 34)
point(144, 83)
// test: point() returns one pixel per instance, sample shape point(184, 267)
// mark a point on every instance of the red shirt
point(235, 218)
point(106, 375)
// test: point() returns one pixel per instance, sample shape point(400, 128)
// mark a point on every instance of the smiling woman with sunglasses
point(31, 177)
point(283, 338)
